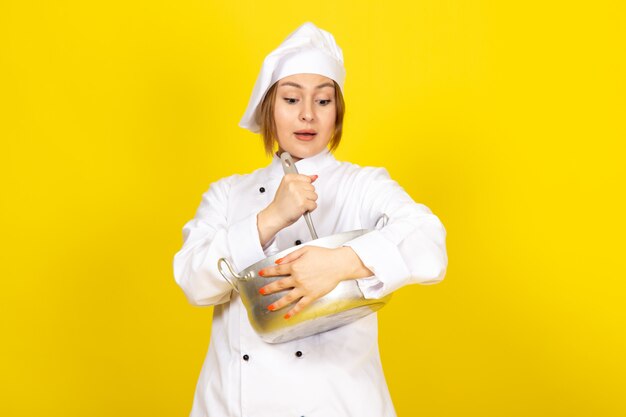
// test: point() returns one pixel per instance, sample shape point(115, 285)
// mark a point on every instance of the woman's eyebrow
point(291, 83)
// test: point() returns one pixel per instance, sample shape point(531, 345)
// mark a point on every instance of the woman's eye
point(295, 100)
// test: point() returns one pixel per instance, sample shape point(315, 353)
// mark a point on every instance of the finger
point(305, 178)
point(304, 301)
point(292, 256)
point(273, 271)
point(310, 205)
point(303, 197)
point(278, 285)
point(292, 296)
point(310, 195)
point(289, 178)
point(308, 187)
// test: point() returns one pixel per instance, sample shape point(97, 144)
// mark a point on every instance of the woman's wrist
point(353, 266)
point(267, 225)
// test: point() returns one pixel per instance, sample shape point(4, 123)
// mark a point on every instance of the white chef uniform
point(335, 373)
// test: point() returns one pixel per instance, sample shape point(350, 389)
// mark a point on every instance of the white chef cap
point(306, 50)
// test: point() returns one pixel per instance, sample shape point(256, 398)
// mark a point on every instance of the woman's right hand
point(295, 196)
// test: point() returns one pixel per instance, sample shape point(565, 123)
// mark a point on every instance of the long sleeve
point(410, 249)
point(210, 236)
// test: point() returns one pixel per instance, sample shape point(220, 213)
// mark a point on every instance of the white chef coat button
point(298, 354)
point(298, 242)
point(246, 357)
point(262, 189)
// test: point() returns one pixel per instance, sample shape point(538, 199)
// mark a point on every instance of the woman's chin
point(300, 153)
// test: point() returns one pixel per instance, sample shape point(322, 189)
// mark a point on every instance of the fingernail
point(271, 307)
point(279, 260)
point(315, 177)
point(262, 291)
point(287, 316)
point(262, 273)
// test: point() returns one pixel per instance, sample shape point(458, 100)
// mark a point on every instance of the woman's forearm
point(350, 264)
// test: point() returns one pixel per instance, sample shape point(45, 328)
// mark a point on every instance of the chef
point(297, 106)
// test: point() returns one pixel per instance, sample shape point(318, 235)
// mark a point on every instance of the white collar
point(307, 166)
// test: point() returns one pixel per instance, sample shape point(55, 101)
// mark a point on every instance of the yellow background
point(506, 119)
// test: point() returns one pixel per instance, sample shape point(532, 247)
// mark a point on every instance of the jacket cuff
point(383, 258)
point(371, 287)
point(271, 248)
point(244, 243)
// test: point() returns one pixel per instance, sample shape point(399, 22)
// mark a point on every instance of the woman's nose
point(306, 113)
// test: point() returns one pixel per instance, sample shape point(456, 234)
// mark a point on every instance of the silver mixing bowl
point(341, 306)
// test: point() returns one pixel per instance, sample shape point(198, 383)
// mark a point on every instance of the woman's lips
point(305, 136)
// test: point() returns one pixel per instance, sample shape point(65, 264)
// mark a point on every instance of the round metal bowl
point(341, 306)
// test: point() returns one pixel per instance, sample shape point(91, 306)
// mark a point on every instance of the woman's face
point(304, 113)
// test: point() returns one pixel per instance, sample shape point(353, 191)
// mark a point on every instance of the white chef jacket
point(334, 373)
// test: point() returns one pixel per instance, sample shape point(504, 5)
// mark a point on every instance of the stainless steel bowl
point(341, 306)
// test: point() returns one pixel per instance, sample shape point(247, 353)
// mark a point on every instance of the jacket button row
point(246, 357)
point(298, 242)
point(262, 189)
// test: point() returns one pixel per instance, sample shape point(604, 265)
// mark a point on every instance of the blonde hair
point(266, 120)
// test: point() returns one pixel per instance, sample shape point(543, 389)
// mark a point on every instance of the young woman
point(297, 105)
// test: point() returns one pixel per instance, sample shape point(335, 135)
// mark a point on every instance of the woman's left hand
point(313, 272)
